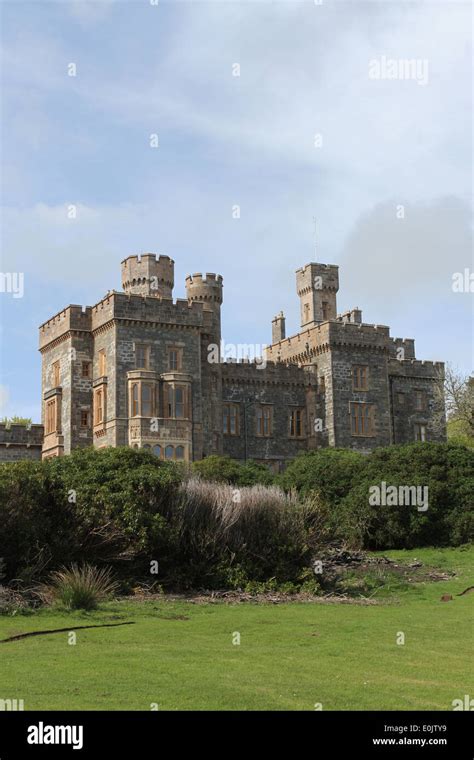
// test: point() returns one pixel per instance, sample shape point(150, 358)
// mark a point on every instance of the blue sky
point(167, 69)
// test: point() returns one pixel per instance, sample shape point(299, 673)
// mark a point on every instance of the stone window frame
point(99, 405)
point(362, 419)
point(420, 400)
point(175, 366)
point(172, 448)
point(231, 413)
point(296, 422)
point(102, 362)
point(170, 403)
point(360, 377)
point(145, 347)
point(325, 310)
point(264, 414)
point(86, 369)
point(50, 417)
point(56, 373)
point(420, 429)
point(136, 398)
point(84, 418)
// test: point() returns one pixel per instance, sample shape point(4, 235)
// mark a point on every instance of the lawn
point(181, 656)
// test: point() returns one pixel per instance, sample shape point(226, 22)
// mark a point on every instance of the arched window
point(169, 451)
point(134, 399)
point(157, 450)
point(179, 452)
point(146, 446)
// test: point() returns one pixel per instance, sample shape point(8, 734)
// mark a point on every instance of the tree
point(15, 420)
point(459, 399)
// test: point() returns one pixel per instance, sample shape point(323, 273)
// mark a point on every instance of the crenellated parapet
point(18, 434)
point(147, 310)
point(416, 368)
point(402, 348)
point(72, 318)
point(148, 275)
point(244, 371)
point(207, 289)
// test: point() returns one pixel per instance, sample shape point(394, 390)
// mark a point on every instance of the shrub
point(228, 536)
point(447, 470)
point(95, 506)
point(218, 469)
point(79, 587)
point(330, 472)
point(13, 602)
point(123, 507)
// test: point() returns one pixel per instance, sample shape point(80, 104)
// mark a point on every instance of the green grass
point(291, 656)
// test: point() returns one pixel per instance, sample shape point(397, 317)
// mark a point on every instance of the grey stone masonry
point(19, 442)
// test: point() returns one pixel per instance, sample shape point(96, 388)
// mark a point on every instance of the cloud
point(397, 252)
point(89, 11)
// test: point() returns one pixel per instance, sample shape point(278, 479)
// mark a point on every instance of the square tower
point(317, 286)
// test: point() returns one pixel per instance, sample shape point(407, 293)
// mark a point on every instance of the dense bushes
point(344, 479)
point(93, 506)
point(125, 508)
point(229, 536)
point(331, 472)
point(226, 470)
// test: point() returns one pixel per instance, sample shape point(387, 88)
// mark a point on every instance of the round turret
point(147, 275)
point(206, 289)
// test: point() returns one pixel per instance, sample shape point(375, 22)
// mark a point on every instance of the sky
point(341, 131)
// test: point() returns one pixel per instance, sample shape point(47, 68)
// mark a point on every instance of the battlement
point(205, 289)
point(416, 368)
point(146, 309)
point(210, 278)
point(403, 348)
point(317, 286)
point(316, 277)
point(323, 267)
point(352, 315)
point(17, 434)
point(73, 317)
point(364, 328)
point(245, 371)
point(148, 275)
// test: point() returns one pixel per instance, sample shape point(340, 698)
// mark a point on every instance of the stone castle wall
point(311, 372)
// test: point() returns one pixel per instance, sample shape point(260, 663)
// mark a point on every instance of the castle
point(138, 369)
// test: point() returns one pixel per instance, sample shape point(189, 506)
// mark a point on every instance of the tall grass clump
point(227, 535)
point(79, 587)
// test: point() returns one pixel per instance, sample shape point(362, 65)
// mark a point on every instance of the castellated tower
point(147, 275)
point(208, 291)
point(317, 286)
